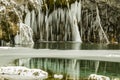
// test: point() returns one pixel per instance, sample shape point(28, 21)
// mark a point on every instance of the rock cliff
point(98, 21)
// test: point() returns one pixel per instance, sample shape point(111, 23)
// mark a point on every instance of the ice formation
point(23, 71)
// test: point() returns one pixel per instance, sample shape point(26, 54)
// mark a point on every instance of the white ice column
point(28, 18)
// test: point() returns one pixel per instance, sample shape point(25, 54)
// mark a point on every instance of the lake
point(75, 61)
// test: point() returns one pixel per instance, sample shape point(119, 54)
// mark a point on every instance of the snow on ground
point(22, 73)
point(98, 77)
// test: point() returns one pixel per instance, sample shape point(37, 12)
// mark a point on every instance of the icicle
point(74, 23)
point(50, 26)
point(28, 18)
point(51, 33)
point(40, 24)
point(78, 15)
point(66, 23)
point(17, 38)
point(25, 34)
point(47, 26)
point(75, 31)
point(99, 22)
point(96, 66)
point(32, 19)
point(74, 9)
point(24, 62)
point(62, 14)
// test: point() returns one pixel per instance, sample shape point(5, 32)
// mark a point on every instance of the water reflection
point(75, 46)
point(72, 69)
point(68, 45)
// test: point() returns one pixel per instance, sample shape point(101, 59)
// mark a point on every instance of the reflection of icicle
point(75, 67)
point(99, 22)
point(97, 66)
point(24, 62)
point(73, 70)
point(76, 46)
point(74, 63)
point(76, 70)
point(17, 38)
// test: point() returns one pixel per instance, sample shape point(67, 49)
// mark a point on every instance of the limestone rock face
point(11, 16)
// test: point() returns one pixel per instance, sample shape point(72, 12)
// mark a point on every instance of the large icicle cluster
point(74, 20)
point(59, 25)
point(94, 21)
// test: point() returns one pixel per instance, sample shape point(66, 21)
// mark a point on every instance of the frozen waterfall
point(25, 36)
point(59, 25)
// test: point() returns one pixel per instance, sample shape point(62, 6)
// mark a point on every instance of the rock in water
point(58, 76)
point(98, 77)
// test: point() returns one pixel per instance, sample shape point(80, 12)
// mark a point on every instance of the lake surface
point(72, 69)
point(73, 46)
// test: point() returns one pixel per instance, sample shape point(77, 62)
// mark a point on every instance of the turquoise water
point(73, 69)
point(83, 68)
